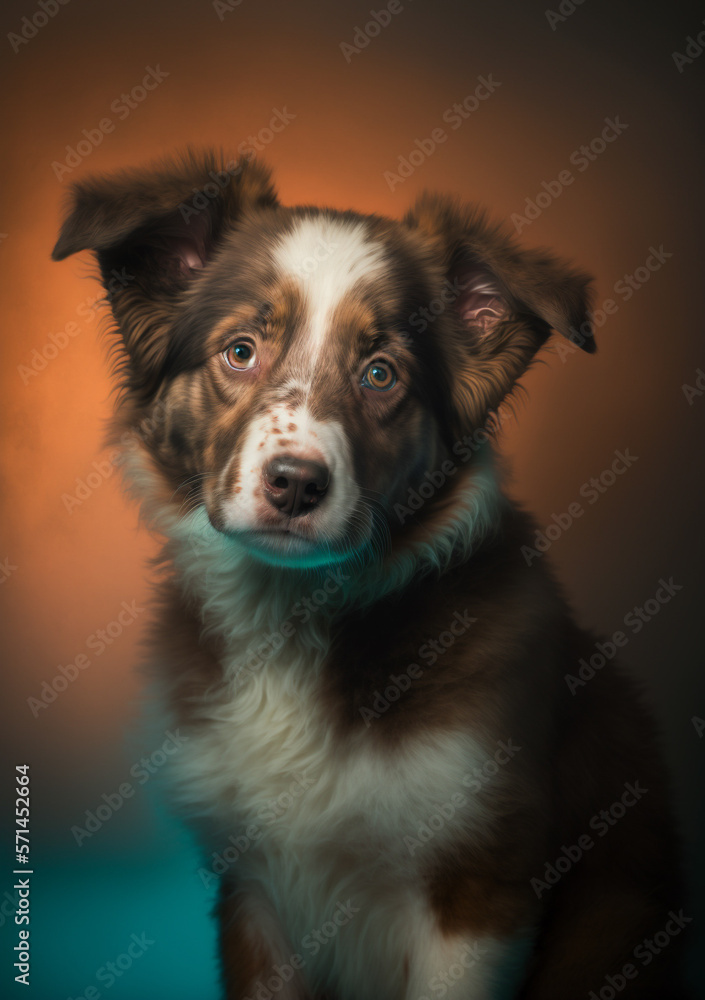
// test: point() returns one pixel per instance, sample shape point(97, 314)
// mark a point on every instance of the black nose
point(295, 485)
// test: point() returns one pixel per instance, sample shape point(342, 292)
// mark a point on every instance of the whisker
point(198, 475)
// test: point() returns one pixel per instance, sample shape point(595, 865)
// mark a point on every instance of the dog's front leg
point(253, 949)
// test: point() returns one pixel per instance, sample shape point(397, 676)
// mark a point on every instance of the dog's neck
point(246, 604)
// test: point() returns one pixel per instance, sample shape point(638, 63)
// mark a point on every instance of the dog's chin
point(290, 550)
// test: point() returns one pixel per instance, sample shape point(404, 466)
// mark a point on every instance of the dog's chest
point(336, 833)
point(268, 758)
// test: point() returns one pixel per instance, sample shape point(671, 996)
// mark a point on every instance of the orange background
point(353, 121)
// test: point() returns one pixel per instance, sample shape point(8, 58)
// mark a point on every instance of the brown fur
point(194, 282)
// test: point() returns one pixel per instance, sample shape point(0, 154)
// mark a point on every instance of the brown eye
point(379, 376)
point(241, 355)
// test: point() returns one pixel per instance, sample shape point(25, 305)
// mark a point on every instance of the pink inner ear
point(480, 303)
point(192, 259)
point(188, 256)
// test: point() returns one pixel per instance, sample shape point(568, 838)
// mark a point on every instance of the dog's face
point(308, 366)
point(295, 388)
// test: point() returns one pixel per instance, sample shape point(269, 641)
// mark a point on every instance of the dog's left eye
point(241, 355)
point(379, 376)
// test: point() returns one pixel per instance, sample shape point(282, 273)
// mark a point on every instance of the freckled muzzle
point(289, 493)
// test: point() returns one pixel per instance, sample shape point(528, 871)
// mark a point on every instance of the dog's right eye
point(241, 355)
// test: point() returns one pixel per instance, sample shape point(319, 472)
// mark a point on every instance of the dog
point(370, 671)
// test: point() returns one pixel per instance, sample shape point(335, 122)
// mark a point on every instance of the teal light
point(92, 906)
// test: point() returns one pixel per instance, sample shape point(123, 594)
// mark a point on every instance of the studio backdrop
point(580, 127)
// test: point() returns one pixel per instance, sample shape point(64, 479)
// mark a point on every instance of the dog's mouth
point(283, 545)
point(298, 542)
point(288, 546)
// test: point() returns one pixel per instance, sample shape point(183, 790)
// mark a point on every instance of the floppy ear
point(504, 303)
point(152, 231)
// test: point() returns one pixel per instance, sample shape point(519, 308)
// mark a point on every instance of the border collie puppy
point(370, 670)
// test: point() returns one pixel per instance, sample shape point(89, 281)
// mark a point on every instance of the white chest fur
point(336, 834)
point(329, 827)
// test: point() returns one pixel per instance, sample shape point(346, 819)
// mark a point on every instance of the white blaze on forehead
point(328, 257)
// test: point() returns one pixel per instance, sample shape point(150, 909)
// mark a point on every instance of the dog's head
point(308, 366)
